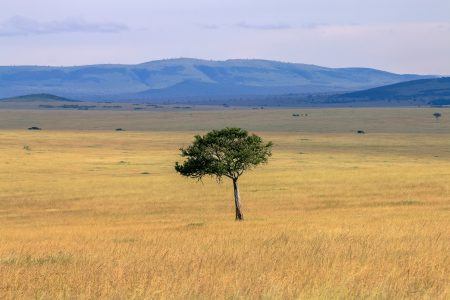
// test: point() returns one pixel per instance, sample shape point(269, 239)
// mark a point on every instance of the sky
point(403, 36)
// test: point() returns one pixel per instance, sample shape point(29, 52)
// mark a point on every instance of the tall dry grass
point(333, 216)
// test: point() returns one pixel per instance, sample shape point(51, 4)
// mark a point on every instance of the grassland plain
point(100, 214)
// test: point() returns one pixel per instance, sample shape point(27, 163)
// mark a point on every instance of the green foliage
point(227, 152)
point(58, 258)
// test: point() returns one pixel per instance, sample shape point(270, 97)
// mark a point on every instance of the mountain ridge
point(427, 91)
point(37, 98)
point(422, 92)
point(170, 79)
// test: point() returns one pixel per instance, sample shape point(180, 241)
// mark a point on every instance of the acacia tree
point(437, 115)
point(228, 152)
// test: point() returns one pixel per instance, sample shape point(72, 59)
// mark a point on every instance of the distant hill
point(435, 91)
point(177, 79)
point(37, 98)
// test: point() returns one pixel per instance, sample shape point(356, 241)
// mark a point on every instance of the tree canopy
point(437, 115)
point(228, 152)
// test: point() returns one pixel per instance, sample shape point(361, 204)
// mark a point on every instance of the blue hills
point(186, 79)
point(436, 91)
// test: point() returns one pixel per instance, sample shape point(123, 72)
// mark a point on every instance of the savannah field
point(90, 213)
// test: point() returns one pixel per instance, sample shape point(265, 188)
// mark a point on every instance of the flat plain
point(87, 212)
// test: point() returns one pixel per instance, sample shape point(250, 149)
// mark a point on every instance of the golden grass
point(333, 216)
point(341, 120)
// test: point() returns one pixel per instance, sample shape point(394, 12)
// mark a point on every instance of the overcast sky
point(405, 36)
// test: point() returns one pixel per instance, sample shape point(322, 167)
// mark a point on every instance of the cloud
point(311, 26)
point(209, 26)
point(275, 26)
point(22, 26)
point(384, 31)
point(245, 25)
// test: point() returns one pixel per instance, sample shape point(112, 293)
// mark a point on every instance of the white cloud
point(414, 47)
point(21, 26)
point(262, 26)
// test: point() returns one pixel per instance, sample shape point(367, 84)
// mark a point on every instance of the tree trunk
point(237, 201)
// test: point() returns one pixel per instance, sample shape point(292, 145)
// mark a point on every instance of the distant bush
point(79, 107)
point(437, 115)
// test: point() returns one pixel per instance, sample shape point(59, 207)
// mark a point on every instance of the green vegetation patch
point(27, 260)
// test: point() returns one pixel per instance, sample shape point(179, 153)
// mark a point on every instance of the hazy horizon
point(397, 36)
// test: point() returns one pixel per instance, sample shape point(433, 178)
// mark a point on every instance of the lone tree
point(227, 152)
point(437, 115)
